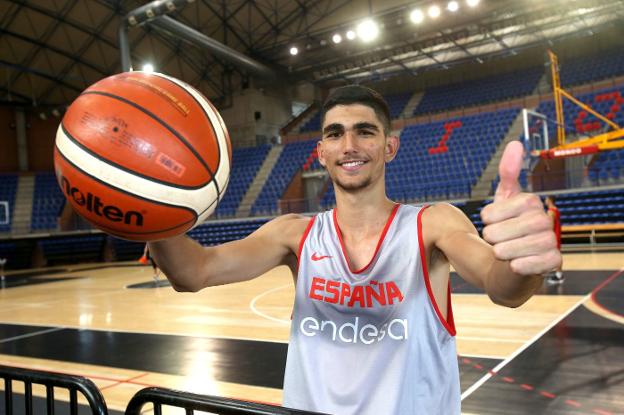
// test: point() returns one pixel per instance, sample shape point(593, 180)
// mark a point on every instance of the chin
point(352, 186)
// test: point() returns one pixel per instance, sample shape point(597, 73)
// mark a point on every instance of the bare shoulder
point(443, 219)
point(288, 229)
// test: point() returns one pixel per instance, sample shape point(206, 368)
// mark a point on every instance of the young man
point(555, 217)
point(372, 327)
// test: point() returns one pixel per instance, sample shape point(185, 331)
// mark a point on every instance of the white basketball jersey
point(369, 341)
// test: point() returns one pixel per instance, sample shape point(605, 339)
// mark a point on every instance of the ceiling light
point(350, 34)
point(472, 3)
point(417, 16)
point(433, 11)
point(148, 67)
point(452, 6)
point(294, 50)
point(367, 30)
point(337, 38)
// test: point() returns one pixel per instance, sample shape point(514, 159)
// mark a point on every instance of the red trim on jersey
point(303, 238)
point(449, 322)
point(381, 238)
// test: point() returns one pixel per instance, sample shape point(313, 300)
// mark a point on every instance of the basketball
point(142, 156)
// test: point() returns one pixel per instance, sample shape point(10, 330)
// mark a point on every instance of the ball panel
point(130, 139)
point(168, 101)
point(218, 129)
point(117, 212)
point(196, 199)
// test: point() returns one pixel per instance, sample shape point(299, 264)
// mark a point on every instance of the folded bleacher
point(48, 201)
point(8, 190)
point(291, 160)
point(478, 92)
point(245, 164)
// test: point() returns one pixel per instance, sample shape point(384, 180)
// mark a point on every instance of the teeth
point(353, 163)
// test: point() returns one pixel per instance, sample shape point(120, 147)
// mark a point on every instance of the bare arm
point(450, 231)
point(191, 267)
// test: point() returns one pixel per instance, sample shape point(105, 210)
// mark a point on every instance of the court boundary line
point(515, 354)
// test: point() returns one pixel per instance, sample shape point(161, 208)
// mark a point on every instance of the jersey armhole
point(303, 239)
point(449, 322)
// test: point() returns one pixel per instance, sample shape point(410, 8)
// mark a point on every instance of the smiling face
point(354, 147)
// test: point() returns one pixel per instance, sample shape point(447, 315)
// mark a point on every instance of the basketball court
point(115, 325)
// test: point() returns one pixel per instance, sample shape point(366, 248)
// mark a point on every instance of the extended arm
point(478, 262)
point(191, 267)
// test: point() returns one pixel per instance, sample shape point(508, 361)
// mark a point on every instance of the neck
point(363, 211)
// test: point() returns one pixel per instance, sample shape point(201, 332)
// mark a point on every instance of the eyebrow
point(357, 126)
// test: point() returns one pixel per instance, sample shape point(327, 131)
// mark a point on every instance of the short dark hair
point(552, 198)
point(358, 94)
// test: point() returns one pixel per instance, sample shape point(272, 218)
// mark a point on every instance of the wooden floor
point(201, 342)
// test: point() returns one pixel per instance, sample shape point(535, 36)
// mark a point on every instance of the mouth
point(351, 165)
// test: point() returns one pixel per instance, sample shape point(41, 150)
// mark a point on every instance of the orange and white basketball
point(142, 156)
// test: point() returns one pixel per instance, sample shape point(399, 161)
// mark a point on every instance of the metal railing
point(50, 380)
point(193, 402)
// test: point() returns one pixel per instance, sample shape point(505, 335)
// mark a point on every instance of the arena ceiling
point(50, 50)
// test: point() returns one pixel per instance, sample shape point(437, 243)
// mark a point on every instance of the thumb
point(509, 171)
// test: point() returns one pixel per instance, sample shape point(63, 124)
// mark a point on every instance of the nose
point(350, 142)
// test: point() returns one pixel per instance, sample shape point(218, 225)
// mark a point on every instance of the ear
point(320, 153)
point(392, 147)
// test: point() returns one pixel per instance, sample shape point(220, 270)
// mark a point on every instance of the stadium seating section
point(48, 201)
point(245, 164)
point(8, 189)
point(292, 159)
point(481, 91)
point(605, 65)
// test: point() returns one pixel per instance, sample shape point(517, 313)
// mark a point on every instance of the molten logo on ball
point(94, 204)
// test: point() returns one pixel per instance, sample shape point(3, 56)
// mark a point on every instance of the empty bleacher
point(289, 162)
point(245, 164)
point(606, 64)
point(397, 103)
point(313, 124)
point(48, 201)
point(479, 92)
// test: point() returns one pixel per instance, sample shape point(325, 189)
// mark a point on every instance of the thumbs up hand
point(515, 223)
